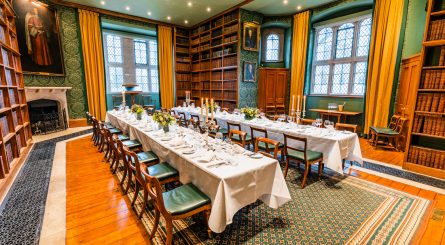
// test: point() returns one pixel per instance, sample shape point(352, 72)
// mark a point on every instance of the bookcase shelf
point(214, 61)
point(15, 131)
point(425, 150)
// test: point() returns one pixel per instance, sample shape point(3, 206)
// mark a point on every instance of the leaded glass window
point(114, 49)
point(340, 57)
point(140, 52)
point(272, 47)
point(116, 78)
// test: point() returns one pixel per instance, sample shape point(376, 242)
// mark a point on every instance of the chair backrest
point(183, 116)
point(231, 125)
point(267, 142)
point(192, 122)
point(401, 124)
point(393, 122)
point(348, 127)
point(164, 109)
point(255, 131)
point(307, 121)
point(150, 110)
point(154, 190)
point(280, 109)
point(226, 109)
point(270, 110)
point(241, 134)
point(172, 112)
point(288, 138)
point(134, 164)
point(195, 118)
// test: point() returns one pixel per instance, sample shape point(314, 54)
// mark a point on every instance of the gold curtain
point(166, 66)
point(382, 61)
point(299, 53)
point(93, 62)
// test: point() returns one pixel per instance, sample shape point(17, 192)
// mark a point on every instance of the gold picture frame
point(251, 36)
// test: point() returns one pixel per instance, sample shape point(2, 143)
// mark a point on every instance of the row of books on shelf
point(427, 157)
point(182, 67)
point(182, 41)
point(4, 125)
point(431, 102)
point(9, 153)
point(217, 33)
point(182, 32)
point(230, 17)
point(436, 30)
point(433, 79)
point(182, 77)
point(15, 119)
point(226, 51)
point(183, 58)
point(431, 125)
point(182, 49)
point(230, 29)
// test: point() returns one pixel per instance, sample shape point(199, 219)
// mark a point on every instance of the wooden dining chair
point(222, 130)
point(307, 121)
point(195, 118)
point(254, 131)
point(280, 109)
point(226, 109)
point(182, 119)
point(373, 130)
point(240, 138)
point(179, 203)
point(302, 155)
point(348, 127)
point(269, 146)
point(163, 171)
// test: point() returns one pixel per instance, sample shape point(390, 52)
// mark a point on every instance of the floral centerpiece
point(138, 110)
point(164, 119)
point(250, 113)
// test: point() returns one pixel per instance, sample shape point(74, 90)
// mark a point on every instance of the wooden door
point(280, 87)
point(271, 78)
point(406, 96)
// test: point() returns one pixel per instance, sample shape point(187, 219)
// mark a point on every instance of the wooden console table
point(338, 114)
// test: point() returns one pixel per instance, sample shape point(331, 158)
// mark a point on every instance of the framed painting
point(38, 38)
point(251, 36)
point(249, 73)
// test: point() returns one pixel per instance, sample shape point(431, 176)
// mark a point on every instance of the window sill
point(337, 96)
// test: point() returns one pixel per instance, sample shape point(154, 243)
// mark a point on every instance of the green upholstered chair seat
point(184, 199)
point(131, 143)
point(123, 137)
point(223, 131)
point(311, 155)
point(237, 137)
point(162, 171)
point(147, 156)
point(115, 131)
point(384, 130)
point(262, 146)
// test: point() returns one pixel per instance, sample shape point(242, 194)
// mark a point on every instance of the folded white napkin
point(207, 157)
point(177, 142)
point(238, 149)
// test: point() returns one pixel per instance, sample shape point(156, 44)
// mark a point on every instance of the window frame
point(281, 45)
point(277, 39)
point(353, 60)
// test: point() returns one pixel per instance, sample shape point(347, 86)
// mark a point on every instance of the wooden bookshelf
point(214, 61)
point(15, 131)
point(425, 151)
point(182, 64)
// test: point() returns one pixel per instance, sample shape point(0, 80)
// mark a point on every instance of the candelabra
point(298, 116)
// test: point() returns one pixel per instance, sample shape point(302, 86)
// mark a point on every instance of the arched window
point(272, 47)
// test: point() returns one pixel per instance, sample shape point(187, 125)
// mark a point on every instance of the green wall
point(72, 56)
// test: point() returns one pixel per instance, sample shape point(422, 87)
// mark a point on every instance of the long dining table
point(335, 145)
point(231, 177)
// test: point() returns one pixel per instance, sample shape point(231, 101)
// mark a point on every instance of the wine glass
point(219, 136)
point(290, 119)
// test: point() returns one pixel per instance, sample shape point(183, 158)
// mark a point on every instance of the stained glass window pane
point(340, 80)
point(324, 44)
point(116, 78)
point(140, 52)
point(142, 79)
point(321, 80)
point(272, 45)
point(345, 39)
point(114, 48)
point(359, 84)
point(364, 37)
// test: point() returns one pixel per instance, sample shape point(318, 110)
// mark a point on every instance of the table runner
point(229, 187)
point(335, 145)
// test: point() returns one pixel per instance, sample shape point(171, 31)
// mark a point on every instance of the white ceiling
point(180, 11)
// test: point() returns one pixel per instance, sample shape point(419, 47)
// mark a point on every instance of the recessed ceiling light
point(285, 1)
point(189, 4)
point(169, 18)
point(149, 13)
point(102, 2)
point(298, 7)
point(186, 21)
point(127, 8)
point(209, 9)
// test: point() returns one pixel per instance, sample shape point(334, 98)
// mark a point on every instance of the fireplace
point(48, 109)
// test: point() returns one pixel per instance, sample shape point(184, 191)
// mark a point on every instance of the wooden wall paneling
point(406, 96)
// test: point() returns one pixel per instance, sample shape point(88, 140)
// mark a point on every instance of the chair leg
point(130, 175)
point(117, 163)
point(136, 193)
point(143, 204)
point(169, 230)
point(206, 214)
point(123, 177)
point(307, 169)
point(343, 164)
point(320, 170)
point(286, 168)
point(155, 225)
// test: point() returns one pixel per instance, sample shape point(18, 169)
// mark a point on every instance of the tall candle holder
point(304, 114)
point(298, 116)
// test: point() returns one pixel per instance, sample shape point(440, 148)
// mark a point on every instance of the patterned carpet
point(21, 213)
point(335, 210)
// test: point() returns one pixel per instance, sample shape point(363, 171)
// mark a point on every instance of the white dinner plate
point(188, 152)
point(165, 139)
point(256, 156)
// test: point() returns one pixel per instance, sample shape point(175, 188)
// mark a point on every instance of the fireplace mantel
point(49, 93)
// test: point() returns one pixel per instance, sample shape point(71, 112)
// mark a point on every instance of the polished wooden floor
point(98, 213)
point(380, 154)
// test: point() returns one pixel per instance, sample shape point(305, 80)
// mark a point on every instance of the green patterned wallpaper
point(248, 91)
point(72, 55)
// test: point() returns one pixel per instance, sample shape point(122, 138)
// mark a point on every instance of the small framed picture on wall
point(249, 74)
point(251, 36)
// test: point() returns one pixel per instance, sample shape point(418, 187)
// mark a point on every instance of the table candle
point(202, 107)
point(304, 103)
point(293, 102)
point(123, 96)
point(298, 103)
point(207, 109)
point(211, 107)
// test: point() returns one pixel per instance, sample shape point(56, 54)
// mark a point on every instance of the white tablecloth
point(229, 187)
point(335, 145)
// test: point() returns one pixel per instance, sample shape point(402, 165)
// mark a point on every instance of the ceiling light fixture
point(285, 1)
point(209, 9)
point(102, 2)
point(186, 21)
point(169, 18)
point(127, 8)
point(189, 4)
point(298, 7)
point(149, 13)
